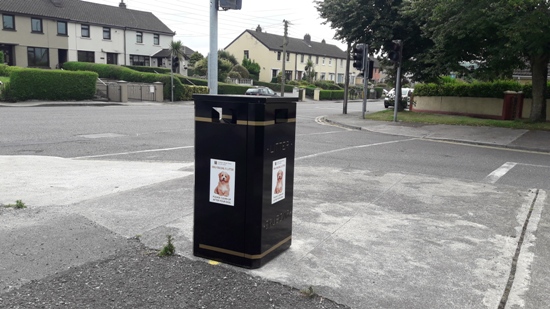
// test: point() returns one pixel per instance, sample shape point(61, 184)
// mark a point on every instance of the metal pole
point(365, 79)
point(346, 85)
point(397, 88)
point(171, 79)
point(283, 75)
point(213, 56)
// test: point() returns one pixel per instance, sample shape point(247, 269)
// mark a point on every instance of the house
point(47, 33)
point(266, 49)
point(164, 57)
point(525, 76)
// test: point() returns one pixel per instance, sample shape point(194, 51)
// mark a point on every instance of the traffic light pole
point(365, 79)
point(397, 101)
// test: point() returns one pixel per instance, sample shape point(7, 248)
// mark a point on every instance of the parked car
point(406, 95)
point(263, 91)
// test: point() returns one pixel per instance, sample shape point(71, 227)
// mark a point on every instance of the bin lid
point(243, 98)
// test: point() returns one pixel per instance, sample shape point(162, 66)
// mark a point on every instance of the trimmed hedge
point(51, 85)
point(331, 95)
point(274, 87)
point(477, 89)
point(231, 89)
point(111, 71)
point(148, 69)
point(6, 70)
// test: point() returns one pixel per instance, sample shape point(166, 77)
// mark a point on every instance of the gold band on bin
point(244, 255)
point(246, 122)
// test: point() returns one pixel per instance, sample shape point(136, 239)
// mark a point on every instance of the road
point(409, 214)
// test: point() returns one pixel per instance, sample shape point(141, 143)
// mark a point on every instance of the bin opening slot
point(224, 115)
point(281, 115)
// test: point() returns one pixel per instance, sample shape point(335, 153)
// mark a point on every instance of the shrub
point(379, 91)
point(327, 85)
point(241, 70)
point(148, 69)
point(5, 70)
point(273, 86)
point(234, 75)
point(231, 89)
point(122, 73)
point(331, 95)
point(53, 85)
point(477, 89)
point(1, 57)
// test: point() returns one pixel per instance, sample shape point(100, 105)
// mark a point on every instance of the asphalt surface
point(411, 241)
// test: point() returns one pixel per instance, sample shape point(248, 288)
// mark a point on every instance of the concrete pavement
point(398, 241)
point(489, 136)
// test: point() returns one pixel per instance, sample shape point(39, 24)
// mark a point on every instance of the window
point(331, 76)
point(341, 63)
point(156, 39)
point(106, 33)
point(308, 57)
point(302, 58)
point(287, 56)
point(38, 57)
point(139, 37)
point(274, 73)
point(36, 25)
point(85, 31)
point(323, 60)
point(278, 56)
point(86, 56)
point(246, 54)
point(61, 28)
point(9, 22)
point(329, 61)
point(322, 76)
point(140, 60)
point(316, 59)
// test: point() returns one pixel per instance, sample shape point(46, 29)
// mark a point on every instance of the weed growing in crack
point(18, 205)
point(169, 249)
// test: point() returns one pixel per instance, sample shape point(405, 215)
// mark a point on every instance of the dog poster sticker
point(279, 181)
point(222, 182)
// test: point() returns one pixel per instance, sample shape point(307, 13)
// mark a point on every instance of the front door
point(61, 57)
point(8, 54)
point(112, 58)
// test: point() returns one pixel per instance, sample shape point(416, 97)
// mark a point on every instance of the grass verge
point(407, 116)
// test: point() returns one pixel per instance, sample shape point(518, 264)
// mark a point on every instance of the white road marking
point(320, 133)
point(353, 147)
point(132, 152)
point(499, 172)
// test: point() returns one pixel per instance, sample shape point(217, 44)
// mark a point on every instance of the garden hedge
point(331, 95)
point(51, 85)
point(181, 92)
point(478, 89)
point(148, 69)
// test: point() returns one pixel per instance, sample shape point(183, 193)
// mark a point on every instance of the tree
point(500, 36)
point(252, 67)
point(194, 58)
point(226, 62)
point(309, 74)
point(176, 50)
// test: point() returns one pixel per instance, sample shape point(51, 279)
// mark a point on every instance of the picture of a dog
point(223, 184)
point(279, 186)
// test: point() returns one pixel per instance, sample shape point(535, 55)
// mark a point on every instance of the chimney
point(307, 38)
point(122, 4)
point(323, 41)
point(258, 29)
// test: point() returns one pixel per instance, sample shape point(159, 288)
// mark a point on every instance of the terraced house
point(47, 33)
point(329, 61)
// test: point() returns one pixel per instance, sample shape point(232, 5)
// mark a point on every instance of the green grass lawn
point(4, 79)
point(407, 116)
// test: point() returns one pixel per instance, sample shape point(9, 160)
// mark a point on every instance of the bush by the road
point(155, 70)
point(51, 85)
point(181, 92)
point(477, 89)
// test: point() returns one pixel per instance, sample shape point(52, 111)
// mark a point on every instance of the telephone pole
point(285, 43)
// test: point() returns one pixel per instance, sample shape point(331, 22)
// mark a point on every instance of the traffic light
point(358, 56)
point(371, 69)
point(175, 63)
point(230, 4)
point(395, 51)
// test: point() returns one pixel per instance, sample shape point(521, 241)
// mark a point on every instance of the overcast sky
point(190, 19)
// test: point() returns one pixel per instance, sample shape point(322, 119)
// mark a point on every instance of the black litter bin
point(244, 177)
